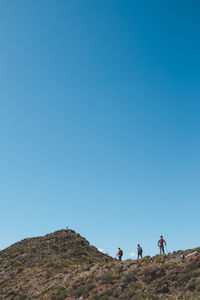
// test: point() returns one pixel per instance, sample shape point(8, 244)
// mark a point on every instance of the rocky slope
point(63, 265)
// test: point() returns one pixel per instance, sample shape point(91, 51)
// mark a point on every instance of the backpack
point(120, 253)
point(140, 249)
point(161, 242)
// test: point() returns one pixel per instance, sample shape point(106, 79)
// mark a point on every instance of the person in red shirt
point(161, 243)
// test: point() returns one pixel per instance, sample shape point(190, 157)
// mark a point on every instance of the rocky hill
point(63, 265)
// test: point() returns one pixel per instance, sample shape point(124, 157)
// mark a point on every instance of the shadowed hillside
point(63, 265)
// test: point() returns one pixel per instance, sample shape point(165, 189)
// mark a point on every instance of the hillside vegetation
point(63, 265)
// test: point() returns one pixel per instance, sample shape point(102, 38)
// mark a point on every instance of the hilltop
point(63, 265)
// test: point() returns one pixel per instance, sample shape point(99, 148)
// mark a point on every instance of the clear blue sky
point(100, 121)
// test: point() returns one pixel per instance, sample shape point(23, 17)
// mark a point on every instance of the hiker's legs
point(120, 258)
point(162, 251)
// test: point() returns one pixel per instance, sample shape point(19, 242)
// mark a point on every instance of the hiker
point(119, 254)
point(139, 251)
point(182, 257)
point(161, 243)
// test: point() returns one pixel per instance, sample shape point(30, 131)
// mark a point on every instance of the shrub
point(83, 290)
point(135, 286)
point(158, 259)
point(66, 284)
point(108, 277)
point(60, 294)
point(48, 274)
point(145, 260)
point(119, 269)
point(151, 275)
point(157, 282)
point(187, 276)
point(129, 277)
point(50, 265)
point(193, 250)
